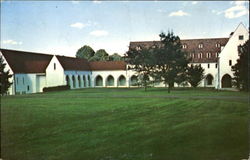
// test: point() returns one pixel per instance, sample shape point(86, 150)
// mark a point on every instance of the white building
point(34, 71)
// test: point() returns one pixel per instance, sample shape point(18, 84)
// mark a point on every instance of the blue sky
point(63, 27)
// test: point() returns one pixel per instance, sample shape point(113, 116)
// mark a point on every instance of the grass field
point(125, 124)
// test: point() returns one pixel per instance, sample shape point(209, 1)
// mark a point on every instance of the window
point(193, 55)
point(217, 54)
point(28, 87)
point(230, 62)
point(216, 65)
point(241, 37)
point(217, 45)
point(184, 46)
point(208, 55)
point(138, 48)
point(200, 55)
point(54, 66)
point(23, 80)
point(208, 65)
point(200, 45)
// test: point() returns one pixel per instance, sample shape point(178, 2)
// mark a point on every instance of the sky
point(62, 27)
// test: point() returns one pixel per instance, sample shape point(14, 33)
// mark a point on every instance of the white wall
point(54, 77)
point(25, 83)
point(230, 52)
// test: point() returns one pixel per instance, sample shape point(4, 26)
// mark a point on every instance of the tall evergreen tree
point(4, 77)
point(171, 60)
point(195, 73)
point(242, 68)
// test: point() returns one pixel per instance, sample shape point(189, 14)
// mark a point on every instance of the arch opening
point(226, 81)
point(133, 80)
point(79, 81)
point(121, 81)
point(209, 79)
point(89, 81)
point(67, 80)
point(110, 81)
point(98, 81)
point(74, 81)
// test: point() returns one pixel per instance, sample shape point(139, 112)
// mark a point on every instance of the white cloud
point(236, 11)
point(97, 2)
point(194, 2)
point(178, 13)
point(11, 42)
point(79, 25)
point(99, 33)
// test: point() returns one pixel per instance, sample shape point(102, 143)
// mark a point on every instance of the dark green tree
point(141, 60)
point(4, 77)
point(242, 68)
point(100, 55)
point(85, 52)
point(171, 60)
point(195, 73)
point(115, 57)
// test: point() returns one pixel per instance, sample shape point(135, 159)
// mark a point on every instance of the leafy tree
point(242, 68)
point(142, 61)
point(4, 77)
point(171, 60)
point(85, 52)
point(195, 73)
point(100, 55)
point(115, 57)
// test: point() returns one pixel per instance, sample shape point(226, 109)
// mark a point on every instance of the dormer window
point(217, 54)
point(200, 45)
point(193, 55)
point(184, 46)
point(217, 45)
point(200, 55)
point(208, 55)
point(138, 48)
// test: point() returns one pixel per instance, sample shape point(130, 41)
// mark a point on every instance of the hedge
point(56, 88)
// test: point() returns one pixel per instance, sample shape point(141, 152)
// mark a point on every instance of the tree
point(100, 55)
point(115, 57)
point(195, 73)
point(142, 61)
point(171, 60)
point(4, 77)
point(242, 68)
point(85, 52)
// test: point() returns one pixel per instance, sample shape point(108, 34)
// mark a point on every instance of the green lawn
point(125, 124)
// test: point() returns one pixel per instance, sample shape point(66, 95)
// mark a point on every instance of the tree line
point(100, 55)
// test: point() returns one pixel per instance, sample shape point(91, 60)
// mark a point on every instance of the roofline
point(27, 52)
point(182, 39)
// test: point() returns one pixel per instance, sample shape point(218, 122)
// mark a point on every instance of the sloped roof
point(107, 65)
point(71, 63)
point(26, 62)
point(209, 46)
